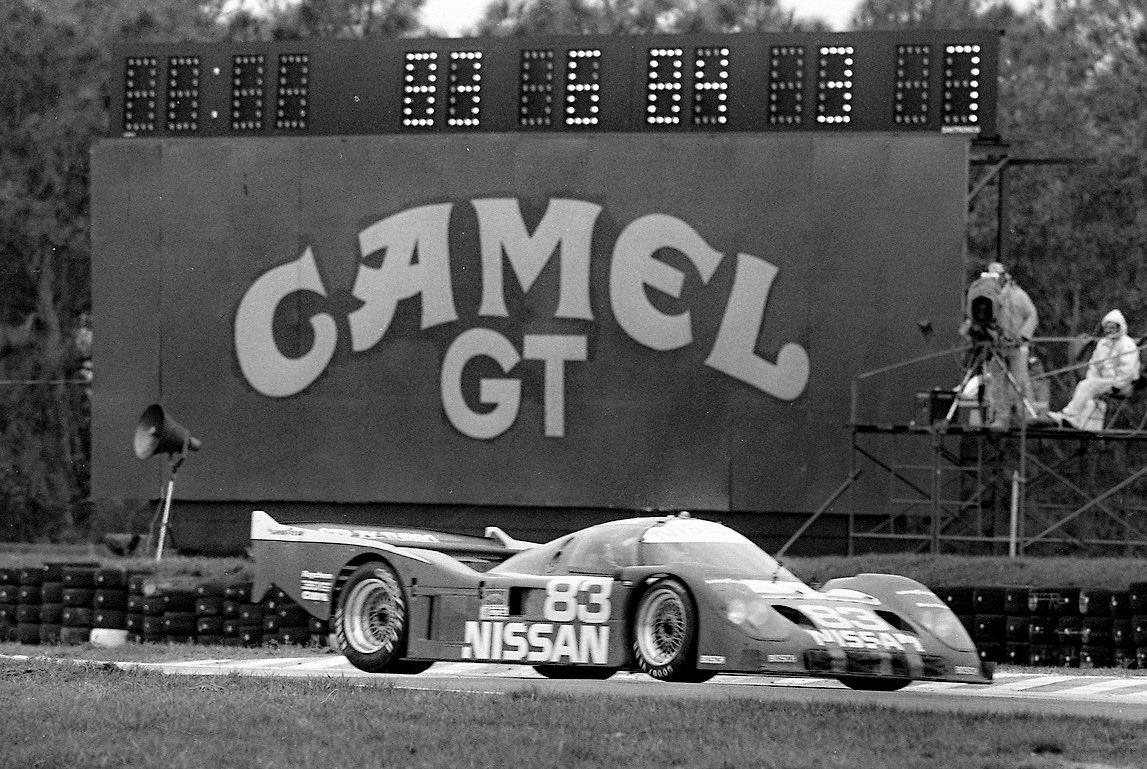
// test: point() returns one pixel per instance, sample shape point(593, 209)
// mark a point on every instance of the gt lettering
point(564, 599)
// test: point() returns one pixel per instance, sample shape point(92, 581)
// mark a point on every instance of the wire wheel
point(370, 622)
point(665, 634)
point(661, 626)
point(374, 617)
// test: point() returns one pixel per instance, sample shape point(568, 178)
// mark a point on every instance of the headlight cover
point(945, 626)
point(756, 618)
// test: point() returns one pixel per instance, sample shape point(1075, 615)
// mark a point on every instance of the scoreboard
point(904, 81)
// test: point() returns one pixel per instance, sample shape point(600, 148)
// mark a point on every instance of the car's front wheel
point(665, 634)
point(370, 622)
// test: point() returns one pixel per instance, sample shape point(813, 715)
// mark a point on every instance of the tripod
point(984, 351)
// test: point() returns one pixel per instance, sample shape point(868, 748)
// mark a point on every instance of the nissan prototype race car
point(676, 597)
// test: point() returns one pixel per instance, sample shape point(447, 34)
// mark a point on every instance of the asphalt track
point(1079, 695)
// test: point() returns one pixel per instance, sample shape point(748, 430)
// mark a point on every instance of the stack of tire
point(209, 603)
point(1097, 628)
point(109, 607)
point(1056, 627)
point(78, 593)
point(287, 623)
point(179, 620)
point(9, 590)
point(1017, 637)
point(28, 601)
point(1137, 608)
point(1122, 636)
point(251, 621)
point(284, 621)
point(237, 606)
point(134, 617)
point(51, 603)
point(990, 622)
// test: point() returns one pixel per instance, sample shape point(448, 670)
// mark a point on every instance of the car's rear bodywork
point(581, 602)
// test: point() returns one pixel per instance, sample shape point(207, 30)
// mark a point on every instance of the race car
point(676, 597)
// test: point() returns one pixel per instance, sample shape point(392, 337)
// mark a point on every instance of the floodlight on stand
point(157, 433)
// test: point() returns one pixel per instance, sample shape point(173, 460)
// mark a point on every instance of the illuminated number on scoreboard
point(583, 87)
point(419, 86)
point(915, 80)
point(294, 82)
point(536, 88)
point(834, 85)
point(786, 84)
point(961, 86)
point(664, 83)
point(711, 86)
point(247, 90)
point(182, 93)
point(464, 102)
point(140, 93)
point(913, 67)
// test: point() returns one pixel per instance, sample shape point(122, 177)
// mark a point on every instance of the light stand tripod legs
point(974, 368)
point(163, 524)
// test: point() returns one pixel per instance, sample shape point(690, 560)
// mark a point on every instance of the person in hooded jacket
point(1114, 367)
point(1015, 326)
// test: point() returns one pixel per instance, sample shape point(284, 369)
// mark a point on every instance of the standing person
point(1012, 327)
point(1113, 367)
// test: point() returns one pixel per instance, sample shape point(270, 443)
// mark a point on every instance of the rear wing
point(494, 545)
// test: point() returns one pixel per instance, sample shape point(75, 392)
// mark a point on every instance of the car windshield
point(709, 544)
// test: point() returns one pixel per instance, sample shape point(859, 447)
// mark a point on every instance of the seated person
point(1114, 366)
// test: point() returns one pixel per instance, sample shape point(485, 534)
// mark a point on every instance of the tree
point(346, 18)
point(1075, 86)
point(631, 17)
point(930, 14)
point(54, 59)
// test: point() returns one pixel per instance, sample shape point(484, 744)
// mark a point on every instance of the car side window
point(603, 551)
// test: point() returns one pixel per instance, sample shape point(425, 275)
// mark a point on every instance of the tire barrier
point(1091, 627)
point(76, 603)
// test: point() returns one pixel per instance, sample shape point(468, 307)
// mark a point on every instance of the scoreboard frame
point(902, 81)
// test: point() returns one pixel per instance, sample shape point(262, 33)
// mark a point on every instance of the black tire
point(1019, 653)
point(665, 634)
point(575, 672)
point(209, 606)
point(111, 599)
point(874, 684)
point(1018, 629)
point(370, 620)
point(989, 600)
point(111, 579)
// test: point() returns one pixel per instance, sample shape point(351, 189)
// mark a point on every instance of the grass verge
point(69, 715)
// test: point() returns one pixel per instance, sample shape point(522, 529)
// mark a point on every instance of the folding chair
point(1126, 410)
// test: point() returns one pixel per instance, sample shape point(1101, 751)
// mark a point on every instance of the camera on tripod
point(983, 303)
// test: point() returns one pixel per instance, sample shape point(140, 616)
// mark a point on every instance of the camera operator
point(1007, 331)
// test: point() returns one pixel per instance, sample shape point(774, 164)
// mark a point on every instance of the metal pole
point(175, 463)
point(937, 446)
point(812, 518)
point(166, 515)
point(1013, 531)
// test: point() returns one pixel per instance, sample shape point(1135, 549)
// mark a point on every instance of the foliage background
point(1073, 86)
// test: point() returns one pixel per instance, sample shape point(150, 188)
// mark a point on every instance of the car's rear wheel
point(874, 684)
point(665, 634)
point(575, 672)
point(370, 622)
